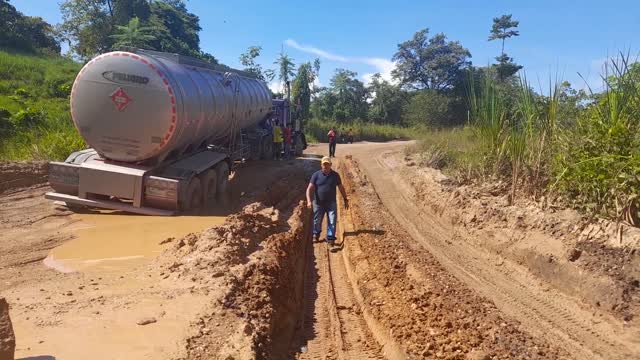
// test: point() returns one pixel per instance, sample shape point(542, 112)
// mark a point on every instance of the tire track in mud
point(542, 312)
point(333, 325)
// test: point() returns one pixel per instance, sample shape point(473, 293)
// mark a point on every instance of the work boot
point(331, 244)
point(316, 238)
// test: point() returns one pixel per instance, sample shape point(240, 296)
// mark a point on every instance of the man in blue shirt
point(322, 187)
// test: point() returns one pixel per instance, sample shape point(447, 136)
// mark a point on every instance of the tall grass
point(515, 140)
point(598, 163)
point(590, 161)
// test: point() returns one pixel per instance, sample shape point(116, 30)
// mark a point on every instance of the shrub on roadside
point(58, 88)
point(6, 126)
point(28, 118)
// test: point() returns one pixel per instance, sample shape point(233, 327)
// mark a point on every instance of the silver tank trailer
point(143, 106)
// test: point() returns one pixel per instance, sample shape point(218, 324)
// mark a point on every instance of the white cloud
point(315, 51)
point(276, 86)
point(382, 66)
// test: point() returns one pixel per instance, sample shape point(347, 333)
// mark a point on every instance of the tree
point(302, 88)
point(133, 35)
point(386, 103)
point(432, 63)
point(350, 96)
point(88, 25)
point(25, 33)
point(502, 29)
point(429, 108)
point(247, 60)
point(284, 72)
point(125, 10)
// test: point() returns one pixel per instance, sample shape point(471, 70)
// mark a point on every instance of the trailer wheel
point(209, 182)
point(222, 185)
point(299, 145)
point(194, 195)
point(266, 147)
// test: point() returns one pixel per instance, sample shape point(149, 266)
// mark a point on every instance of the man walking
point(322, 187)
point(333, 138)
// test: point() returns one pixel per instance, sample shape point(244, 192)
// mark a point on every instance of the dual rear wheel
point(208, 188)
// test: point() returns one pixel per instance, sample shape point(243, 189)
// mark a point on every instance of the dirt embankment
point(7, 338)
point(597, 261)
point(15, 175)
point(251, 269)
point(428, 312)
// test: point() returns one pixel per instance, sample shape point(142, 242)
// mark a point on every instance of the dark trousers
point(332, 149)
point(277, 150)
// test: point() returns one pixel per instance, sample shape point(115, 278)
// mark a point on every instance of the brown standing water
point(109, 241)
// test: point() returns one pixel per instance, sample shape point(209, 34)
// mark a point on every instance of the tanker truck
point(165, 132)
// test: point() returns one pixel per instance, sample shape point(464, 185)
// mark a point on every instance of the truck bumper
point(107, 204)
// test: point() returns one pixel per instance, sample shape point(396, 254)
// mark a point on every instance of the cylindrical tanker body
point(140, 106)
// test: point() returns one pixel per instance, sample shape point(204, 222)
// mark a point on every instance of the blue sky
point(564, 37)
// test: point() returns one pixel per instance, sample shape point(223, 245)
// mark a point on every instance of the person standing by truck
point(333, 139)
point(277, 141)
point(322, 187)
point(288, 140)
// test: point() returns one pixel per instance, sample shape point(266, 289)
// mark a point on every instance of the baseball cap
point(326, 160)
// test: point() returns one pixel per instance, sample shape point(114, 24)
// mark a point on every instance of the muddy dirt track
point(426, 269)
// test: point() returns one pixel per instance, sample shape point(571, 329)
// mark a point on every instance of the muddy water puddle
point(108, 241)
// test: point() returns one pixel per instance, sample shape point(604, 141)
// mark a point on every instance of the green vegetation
point(35, 122)
point(316, 131)
point(98, 26)
point(25, 33)
point(583, 149)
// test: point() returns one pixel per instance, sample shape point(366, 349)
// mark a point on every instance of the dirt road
point(542, 310)
point(425, 269)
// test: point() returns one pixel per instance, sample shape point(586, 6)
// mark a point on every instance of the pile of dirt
point(251, 269)
point(7, 338)
point(596, 260)
point(15, 175)
point(428, 311)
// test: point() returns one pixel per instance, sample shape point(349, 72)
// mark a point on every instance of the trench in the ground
point(314, 311)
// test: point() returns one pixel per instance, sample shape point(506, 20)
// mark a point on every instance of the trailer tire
point(193, 199)
point(222, 183)
point(209, 182)
point(299, 147)
point(266, 147)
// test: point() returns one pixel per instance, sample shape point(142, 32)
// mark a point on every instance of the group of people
point(282, 136)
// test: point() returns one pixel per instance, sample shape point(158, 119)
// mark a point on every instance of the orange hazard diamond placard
point(120, 99)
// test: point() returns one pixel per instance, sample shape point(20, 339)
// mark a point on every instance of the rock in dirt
point(574, 254)
point(478, 355)
point(146, 321)
point(7, 337)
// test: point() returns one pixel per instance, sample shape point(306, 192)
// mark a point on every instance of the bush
point(22, 93)
point(428, 108)
point(28, 118)
point(6, 126)
point(58, 88)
